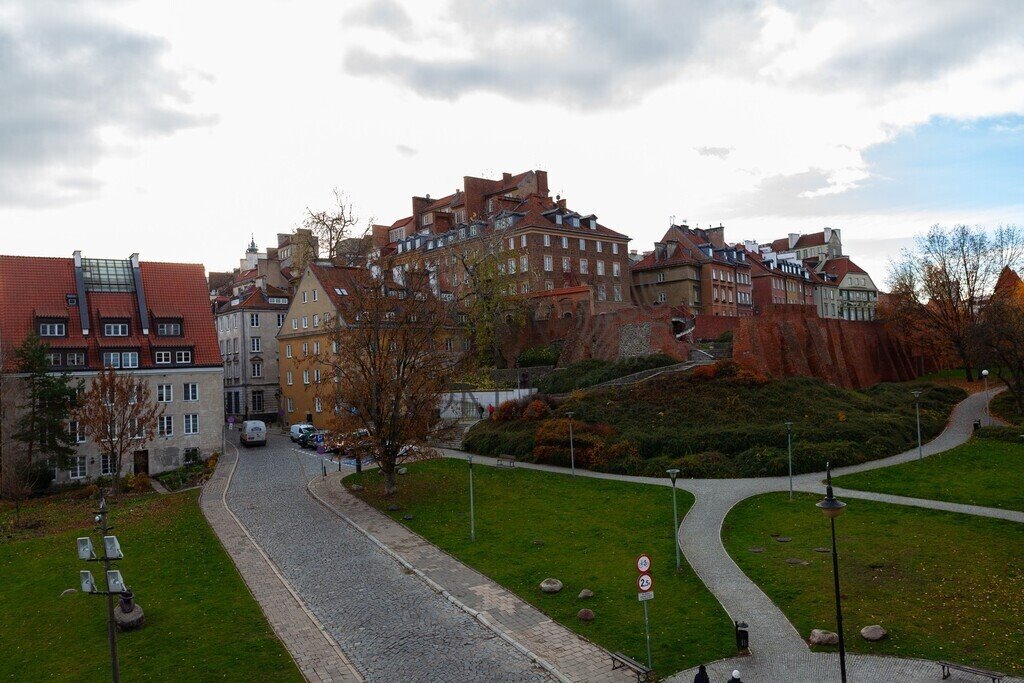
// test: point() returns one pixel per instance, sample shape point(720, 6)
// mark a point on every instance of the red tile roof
point(31, 286)
point(814, 239)
point(254, 299)
point(840, 266)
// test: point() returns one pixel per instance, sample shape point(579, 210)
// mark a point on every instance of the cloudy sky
point(178, 129)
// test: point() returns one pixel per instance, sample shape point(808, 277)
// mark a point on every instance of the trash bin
point(742, 635)
point(977, 425)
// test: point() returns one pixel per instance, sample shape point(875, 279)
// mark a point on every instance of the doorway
point(141, 462)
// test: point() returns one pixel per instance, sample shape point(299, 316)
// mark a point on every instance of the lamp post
point(572, 452)
point(832, 508)
point(917, 409)
point(672, 474)
point(988, 417)
point(472, 514)
point(789, 449)
point(114, 582)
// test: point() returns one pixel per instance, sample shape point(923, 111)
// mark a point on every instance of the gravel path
point(389, 623)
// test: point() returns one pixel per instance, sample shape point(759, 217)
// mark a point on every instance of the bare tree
point(331, 226)
point(392, 354)
point(119, 413)
point(998, 340)
point(941, 287)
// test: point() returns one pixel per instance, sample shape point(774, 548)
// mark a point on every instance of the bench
point(505, 461)
point(621, 661)
point(994, 676)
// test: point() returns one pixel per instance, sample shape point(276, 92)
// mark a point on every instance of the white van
point(297, 430)
point(254, 433)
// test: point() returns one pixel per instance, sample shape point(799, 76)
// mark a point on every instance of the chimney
point(506, 177)
point(716, 236)
point(793, 237)
point(542, 183)
point(140, 295)
point(828, 234)
point(83, 304)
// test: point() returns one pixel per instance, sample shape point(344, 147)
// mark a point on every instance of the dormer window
point(427, 219)
point(53, 329)
point(574, 221)
point(168, 329)
point(558, 219)
point(115, 329)
point(593, 223)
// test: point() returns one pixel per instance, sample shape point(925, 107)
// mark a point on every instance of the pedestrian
point(480, 410)
point(702, 675)
point(735, 677)
point(490, 411)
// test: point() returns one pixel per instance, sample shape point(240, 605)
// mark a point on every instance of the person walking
point(735, 677)
point(702, 675)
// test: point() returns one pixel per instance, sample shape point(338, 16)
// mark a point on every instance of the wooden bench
point(621, 661)
point(994, 676)
point(505, 461)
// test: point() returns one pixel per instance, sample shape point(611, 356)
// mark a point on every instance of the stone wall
point(710, 327)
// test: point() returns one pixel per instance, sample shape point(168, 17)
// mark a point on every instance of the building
point(147, 318)
point(858, 296)
point(695, 268)
point(563, 262)
point(247, 327)
point(819, 246)
point(276, 267)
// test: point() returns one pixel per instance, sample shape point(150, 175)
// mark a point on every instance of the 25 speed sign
point(644, 583)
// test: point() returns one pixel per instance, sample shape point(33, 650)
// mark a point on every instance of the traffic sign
point(644, 583)
point(231, 419)
point(644, 597)
point(643, 563)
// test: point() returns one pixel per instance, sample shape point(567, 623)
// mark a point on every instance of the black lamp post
point(917, 409)
point(789, 450)
point(673, 474)
point(472, 512)
point(832, 508)
point(572, 452)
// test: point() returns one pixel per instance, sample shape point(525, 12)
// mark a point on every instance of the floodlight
point(88, 584)
point(115, 583)
point(112, 547)
point(85, 549)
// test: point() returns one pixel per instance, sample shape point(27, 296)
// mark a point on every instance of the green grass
point(944, 585)
point(587, 373)
point(980, 472)
point(592, 531)
point(201, 621)
point(1003, 406)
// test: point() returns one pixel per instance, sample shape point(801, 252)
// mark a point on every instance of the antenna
point(671, 220)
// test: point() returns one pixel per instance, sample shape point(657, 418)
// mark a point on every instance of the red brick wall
point(712, 326)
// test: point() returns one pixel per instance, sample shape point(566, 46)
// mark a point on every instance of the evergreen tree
point(48, 399)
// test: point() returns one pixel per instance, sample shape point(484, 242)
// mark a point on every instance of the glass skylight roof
point(107, 275)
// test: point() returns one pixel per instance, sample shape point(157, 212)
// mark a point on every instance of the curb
point(437, 588)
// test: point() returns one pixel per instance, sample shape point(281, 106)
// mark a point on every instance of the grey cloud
point(65, 77)
point(720, 152)
point(780, 195)
point(384, 14)
point(406, 150)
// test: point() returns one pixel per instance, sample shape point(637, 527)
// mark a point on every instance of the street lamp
point(572, 452)
point(789, 448)
point(472, 517)
point(672, 474)
point(114, 581)
point(832, 508)
point(917, 409)
point(988, 417)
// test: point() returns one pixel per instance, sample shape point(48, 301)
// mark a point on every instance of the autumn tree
point(390, 357)
point(333, 225)
point(940, 288)
point(119, 413)
point(998, 340)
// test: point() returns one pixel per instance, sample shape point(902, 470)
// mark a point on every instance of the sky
point(177, 130)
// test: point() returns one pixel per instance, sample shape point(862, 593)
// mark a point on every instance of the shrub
point(537, 355)
point(507, 411)
point(38, 476)
point(138, 483)
point(587, 373)
point(725, 337)
point(536, 410)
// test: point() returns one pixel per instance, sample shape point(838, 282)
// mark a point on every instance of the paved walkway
point(317, 655)
point(565, 654)
point(390, 625)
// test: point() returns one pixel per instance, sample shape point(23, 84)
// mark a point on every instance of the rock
point(407, 517)
point(873, 633)
point(357, 487)
point(393, 508)
point(757, 549)
point(550, 585)
point(822, 550)
point(69, 591)
point(797, 561)
point(586, 594)
point(585, 615)
point(538, 543)
point(403, 470)
point(130, 621)
point(783, 539)
point(821, 637)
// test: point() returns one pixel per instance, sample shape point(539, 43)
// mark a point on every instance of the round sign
point(231, 419)
point(643, 563)
point(644, 583)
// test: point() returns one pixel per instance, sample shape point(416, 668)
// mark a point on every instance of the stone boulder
point(586, 594)
point(131, 620)
point(550, 585)
point(585, 615)
point(822, 637)
point(873, 633)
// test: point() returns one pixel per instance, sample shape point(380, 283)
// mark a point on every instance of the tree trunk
point(970, 372)
point(390, 481)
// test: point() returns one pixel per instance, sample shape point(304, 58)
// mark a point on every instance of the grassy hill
point(717, 421)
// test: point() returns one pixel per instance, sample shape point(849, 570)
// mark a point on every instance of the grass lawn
point(944, 585)
point(592, 531)
point(1003, 406)
point(980, 472)
point(201, 621)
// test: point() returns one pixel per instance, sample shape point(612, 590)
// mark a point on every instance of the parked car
point(313, 438)
point(354, 444)
point(253, 433)
point(297, 430)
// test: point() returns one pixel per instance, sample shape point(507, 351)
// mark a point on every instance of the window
point(191, 391)
point(130, 359)
point(565, 264)
point(287, 350)
point(448, 344)
point(615, 247)
point(524, 263)
point(111, 359)
point(192, 423)
point(164, 393)
point(289, 404)
point(334, 344)
point(615, 269)
point(584, 267)
point(583, 244)
point(303, 297)
point(79, 467)
point(565, 243)
point(53, 359)
point(547, 240)
point(316, 376)
point(318, 405)
point(257, 401)
point(163, 357)
point(316, 320)
point(76, 431)
point(305, 348)
point(255, 344)
point(165, 427)
point(107, 465)
point(549, 285)
point(600, 266)
point(661, 297)
point(305, 376)
point(52, 329)
point(280, 319)
point(295, 324)
point(305, 322)
point(316, 348)
point(75, 358)
point(602, 294)
point(522, 240)
point(183, 357)
point(617, 292)
point(524, 288)
point(316, 294)
point(511, 266)
point(168, 329)
point(547, 263)
point(598, 246)
point(254, 320)
point(511, 242)
point(661, 277)
point(115, 330)
point(257, 369)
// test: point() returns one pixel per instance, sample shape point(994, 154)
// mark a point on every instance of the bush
point(587, 373)
point(138, 483)
point(537, 355)
point(38, 476)
point(725, 337)
point(508, 411)
point(536, 410)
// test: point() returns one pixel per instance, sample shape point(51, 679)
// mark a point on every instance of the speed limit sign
point(644, 583)
point(643, 563)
